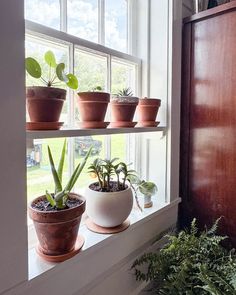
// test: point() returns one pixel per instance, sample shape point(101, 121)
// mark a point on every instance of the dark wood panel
point(211, 122)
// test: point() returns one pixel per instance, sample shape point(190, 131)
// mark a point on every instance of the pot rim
point(46, 87)
point(113, 193)
point(149, 101)
point(59, 211)
point(96, 92)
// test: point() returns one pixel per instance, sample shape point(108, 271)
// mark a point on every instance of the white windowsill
point(38, 266)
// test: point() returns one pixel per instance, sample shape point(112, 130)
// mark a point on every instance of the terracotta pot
point(123, 109)
point(109, 209)
point(147, 109)
point(45, 103)
point(57, 230)
point(93, 106)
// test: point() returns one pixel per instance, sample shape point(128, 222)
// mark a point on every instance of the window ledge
point(94, 241)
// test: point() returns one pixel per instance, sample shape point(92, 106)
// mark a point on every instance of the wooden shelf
point(85, 132)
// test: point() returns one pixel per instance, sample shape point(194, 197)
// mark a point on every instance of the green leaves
point(56, 71)
point(192, 262)
point(148, 188)
point(72, 81)
point(33, 68)
point(61, 195)
point(50, 59)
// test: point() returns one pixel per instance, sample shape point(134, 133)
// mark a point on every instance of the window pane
point(45, 12)
point(123, 76)
point(118, 147)
point(116, 15)
point(83, 19)
point(39, 177)
point(36, 48)
point(82, 145)
point(91, 70)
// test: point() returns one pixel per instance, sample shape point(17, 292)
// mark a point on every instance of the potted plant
point(109, 201)
point(147, 112)
point(45, 103)
point(56, 216)
point(147, 189)
point(92, 108)
point(123, 107)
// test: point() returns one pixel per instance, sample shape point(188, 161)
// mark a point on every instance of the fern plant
point(191, 263)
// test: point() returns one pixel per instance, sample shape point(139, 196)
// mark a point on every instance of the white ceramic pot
point(109, 209)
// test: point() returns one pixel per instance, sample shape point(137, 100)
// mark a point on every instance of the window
point(99, 21)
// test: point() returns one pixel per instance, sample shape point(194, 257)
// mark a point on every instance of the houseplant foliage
point(57, 215)
point(146, 188)
point(92, 107)
point(123, 108)
point(110, 198)
point(45, 103)
point(191, 263)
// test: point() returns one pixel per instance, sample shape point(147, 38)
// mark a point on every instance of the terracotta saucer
point(148, 124)
point(60, 258)
point(43, 125)
point(122, 124)
point(93, 124)
point(106, 230)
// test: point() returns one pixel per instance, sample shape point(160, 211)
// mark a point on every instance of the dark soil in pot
point(45, 103)
point(113, 187)
point(57, 230)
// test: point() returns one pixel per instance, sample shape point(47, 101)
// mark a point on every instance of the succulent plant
point(125, 92)
point(56, 72)
point(60, 196)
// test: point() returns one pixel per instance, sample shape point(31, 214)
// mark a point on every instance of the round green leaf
point(73, 81)
point(60, 73)
point(50, 59)
point(33, 67)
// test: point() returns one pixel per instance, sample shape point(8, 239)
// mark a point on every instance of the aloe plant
point(56, 72)
point(60, 196)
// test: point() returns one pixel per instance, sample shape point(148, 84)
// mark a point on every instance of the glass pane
point(39, 177)
point(36, 48)
point(83, 19)
point(82, 144)
point(118, 147)
point(116, 19)
point(91, 70)
point(123, 76)
point(45, 12)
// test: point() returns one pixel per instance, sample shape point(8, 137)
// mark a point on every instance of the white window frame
point(79, 273)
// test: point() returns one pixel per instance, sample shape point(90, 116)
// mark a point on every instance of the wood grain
point(208, 182)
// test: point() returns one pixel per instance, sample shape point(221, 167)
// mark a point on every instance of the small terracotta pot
point(57, 230)
point(147, 109)
point(123, 110)
point(93, 106)
point(45, 103)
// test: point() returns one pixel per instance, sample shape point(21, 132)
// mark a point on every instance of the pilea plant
point(59, 198)
point(56, 72)
point(191, 263)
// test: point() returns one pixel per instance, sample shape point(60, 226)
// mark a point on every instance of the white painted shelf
point(85, 132)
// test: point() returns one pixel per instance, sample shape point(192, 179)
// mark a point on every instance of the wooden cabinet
point(208, 119)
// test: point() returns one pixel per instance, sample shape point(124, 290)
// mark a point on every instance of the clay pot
point(57, 230)
point(45, 103)
point(109, 209)
point(93, 106)
point(147, 109)
point(123, 110)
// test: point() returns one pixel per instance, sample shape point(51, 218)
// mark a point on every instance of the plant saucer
point(148, 124)
point(93, 124)
point(122, 124)
point(43, 125)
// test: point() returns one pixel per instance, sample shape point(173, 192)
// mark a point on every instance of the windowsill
point(38, 266)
